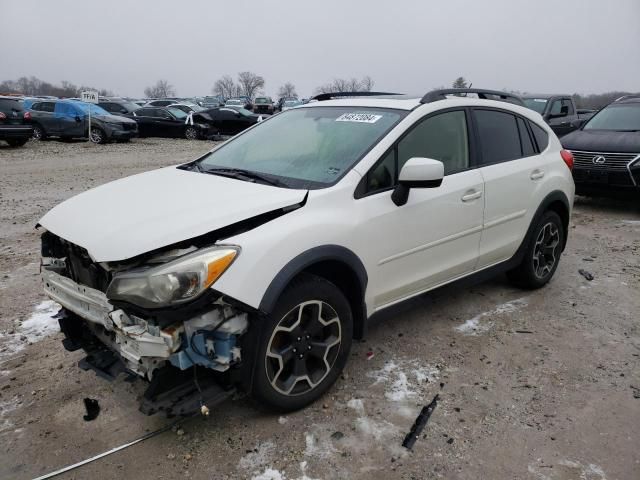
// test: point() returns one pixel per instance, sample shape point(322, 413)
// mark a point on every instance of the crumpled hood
point(144, 212)
point(602, 141)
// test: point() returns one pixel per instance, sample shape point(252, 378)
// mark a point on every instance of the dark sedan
point(230, 121)
point(606, 150)
point(170, 122)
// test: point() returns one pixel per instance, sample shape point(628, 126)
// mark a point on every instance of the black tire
point(542, 253)
point(17, 142)
point(98, 136)
point(38, 132)
point(191, 133)
point(309, 339)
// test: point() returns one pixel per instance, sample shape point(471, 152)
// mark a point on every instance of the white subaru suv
point(253, 267)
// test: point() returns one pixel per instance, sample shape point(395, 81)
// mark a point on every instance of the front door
point(435, 236)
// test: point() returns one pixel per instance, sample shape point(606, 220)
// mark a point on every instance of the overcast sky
point(409, 46)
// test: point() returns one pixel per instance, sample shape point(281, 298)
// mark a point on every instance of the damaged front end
point(154, 317)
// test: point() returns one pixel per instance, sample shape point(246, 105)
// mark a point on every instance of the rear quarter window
point(541, 136)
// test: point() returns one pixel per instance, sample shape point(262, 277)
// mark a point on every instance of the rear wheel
point(542, 253)
point(38, 132)
point(17, 142)
point(304, 344)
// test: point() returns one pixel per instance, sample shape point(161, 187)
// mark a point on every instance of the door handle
point(471, 195)
point(537, 174)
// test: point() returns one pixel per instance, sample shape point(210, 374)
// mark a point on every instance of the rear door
point(511, 169)
point(44, 115)
point(560, 122)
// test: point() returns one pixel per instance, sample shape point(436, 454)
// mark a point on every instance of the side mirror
point(77, 119)
point(417, 172)
point(124, 110)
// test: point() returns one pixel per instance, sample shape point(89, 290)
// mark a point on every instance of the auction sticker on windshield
point(359, 117)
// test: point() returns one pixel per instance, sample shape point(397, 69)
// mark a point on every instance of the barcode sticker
point(359, 117)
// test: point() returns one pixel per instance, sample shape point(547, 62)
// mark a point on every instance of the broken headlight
point(175, 282)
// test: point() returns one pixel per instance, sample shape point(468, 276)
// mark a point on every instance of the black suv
point(15, 122)
point(606, 149)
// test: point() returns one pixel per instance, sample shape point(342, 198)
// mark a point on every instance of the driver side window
point(440, 137)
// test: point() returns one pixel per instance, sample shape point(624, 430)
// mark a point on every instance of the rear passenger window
point(525, 139)
point(499, 136)
point(542, 139)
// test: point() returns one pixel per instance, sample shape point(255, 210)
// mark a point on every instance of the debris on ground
point(93, 409)
point(585, 274)
point(419, 424)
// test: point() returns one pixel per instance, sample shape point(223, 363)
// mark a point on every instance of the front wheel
point(542, 253)
point(190, 133)
point(304, 344)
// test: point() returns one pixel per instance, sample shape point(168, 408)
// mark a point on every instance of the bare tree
point(347, 85)
point(287, 90)
point(162, 89)
point(250, 83)
point(225, 86)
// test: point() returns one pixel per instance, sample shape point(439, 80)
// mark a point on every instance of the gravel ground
point(540, 385)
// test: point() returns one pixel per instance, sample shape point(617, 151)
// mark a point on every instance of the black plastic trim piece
point(304, 260)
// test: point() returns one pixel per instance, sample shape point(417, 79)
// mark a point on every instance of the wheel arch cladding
point(557, 202)
point(335, 263)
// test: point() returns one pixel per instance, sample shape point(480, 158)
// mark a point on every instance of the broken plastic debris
point(419, 424)
point(204, 410)
point(93, 409)
point(370, 355)
point(585, 274)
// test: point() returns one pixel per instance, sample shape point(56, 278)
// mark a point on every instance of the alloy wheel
point(303, 348)
point(191, 133)
point(37, 133)
point(545, 253)
point(96, 135)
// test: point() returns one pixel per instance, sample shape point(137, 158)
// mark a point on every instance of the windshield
point(95, 109)
point(616, 117)
point(262, 100)
point(292, 103)
point(235, 102)
point(179, 114)
point(536, 104)
point(306, 147)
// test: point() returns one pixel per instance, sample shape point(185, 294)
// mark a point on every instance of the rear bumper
point(8, 132)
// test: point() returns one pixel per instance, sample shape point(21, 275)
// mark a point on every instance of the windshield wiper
point(239, 173)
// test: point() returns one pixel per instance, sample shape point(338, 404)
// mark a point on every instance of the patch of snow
point(7, 407)
point(577, 470)
point(269, 474)
point(318, 444)
point(258, 458)
point(357, 405)
point(632, 222)
point(482, 323)
point(282, 420)
point(37, 327)
point(403, 378)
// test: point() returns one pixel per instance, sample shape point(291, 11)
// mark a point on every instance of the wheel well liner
point(335, 263)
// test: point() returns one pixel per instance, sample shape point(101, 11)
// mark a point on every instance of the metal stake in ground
point(419, 424)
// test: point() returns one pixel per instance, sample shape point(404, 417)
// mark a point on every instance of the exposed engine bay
point(159, 345)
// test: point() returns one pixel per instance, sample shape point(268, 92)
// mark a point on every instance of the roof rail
point(329, 96)
point(628, 97)
point(436, 95)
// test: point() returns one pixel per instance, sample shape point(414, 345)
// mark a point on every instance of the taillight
point(2, 116)
point(27, 115)
point(567, 156)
